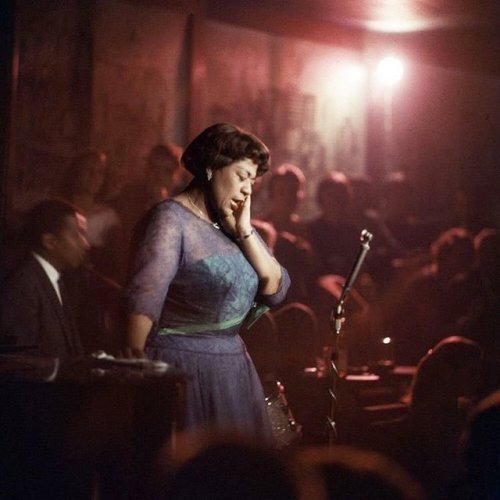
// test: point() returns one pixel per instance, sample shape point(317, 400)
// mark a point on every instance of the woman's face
point(231, 185)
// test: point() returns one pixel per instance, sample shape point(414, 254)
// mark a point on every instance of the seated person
point(211, 465)
point(162, 176)
point(35, 311)
point(350, 473)
point(83, 186)
point(435, 298)
point(482, 450)
point(427, 440)
point(334, 235)
point(399, 213)
point(286, 190)
point(482, 321)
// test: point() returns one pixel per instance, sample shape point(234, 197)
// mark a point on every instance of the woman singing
point(199, 273)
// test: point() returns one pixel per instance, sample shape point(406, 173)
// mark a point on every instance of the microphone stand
point(337, 317)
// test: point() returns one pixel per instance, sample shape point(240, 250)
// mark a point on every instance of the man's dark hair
point(47, 216)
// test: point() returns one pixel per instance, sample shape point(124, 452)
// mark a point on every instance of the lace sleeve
point(280, 294)
point(156, 262)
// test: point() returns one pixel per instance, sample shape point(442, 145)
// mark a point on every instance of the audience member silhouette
point(365, 202)
point(399, 213)
point(385, 247)
point(261, 342)
point(162, 177)
point(83, 186)
point(297, 332)
point(299, 355)
point(349, 473)
point(297, 255)
point(482, 451)
point(426, 441)
point(333, 234)
point(435, 298)
point(37, 314)
point(227, 467)
point(482, 322)
point(286, 188)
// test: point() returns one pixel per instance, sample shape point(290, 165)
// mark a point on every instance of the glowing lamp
point(390, 70)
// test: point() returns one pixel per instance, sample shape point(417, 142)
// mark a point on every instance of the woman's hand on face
point(238, 218)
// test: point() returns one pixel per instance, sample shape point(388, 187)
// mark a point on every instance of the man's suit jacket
point(33, 316)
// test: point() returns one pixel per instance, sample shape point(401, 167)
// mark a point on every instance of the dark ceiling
point(390, 15)
point(453, 33)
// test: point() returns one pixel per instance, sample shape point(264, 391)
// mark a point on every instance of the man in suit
point(35, 312)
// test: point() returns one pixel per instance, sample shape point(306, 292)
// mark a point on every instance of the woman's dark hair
point(220, 145)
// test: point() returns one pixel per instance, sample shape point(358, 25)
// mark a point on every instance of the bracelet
point(244, 236)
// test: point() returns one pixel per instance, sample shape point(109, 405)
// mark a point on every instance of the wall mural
point(139, 82)
point(294, 94)
point(285, 90)
point(47, 121)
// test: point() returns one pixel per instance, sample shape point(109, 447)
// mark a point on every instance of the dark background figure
point(335, 241)
point(299, 347)
point(334, 235)
point(162, 176)
point(229, 466)
point(83, 185)
point(365, 202)
point(348, 473)
point(286, 188)
point(36, 313)
point(385, 247)
point(262, 344)
point(433, 301)
point(482, 320)
point(482, 452)
point(427, 440)
point(400, 214)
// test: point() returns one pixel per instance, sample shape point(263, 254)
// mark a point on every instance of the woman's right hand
point(237, 221)
point(138, 328)
point(131, 353)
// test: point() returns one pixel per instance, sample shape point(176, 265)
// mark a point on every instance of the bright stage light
point(390, 70)
point(351, 75)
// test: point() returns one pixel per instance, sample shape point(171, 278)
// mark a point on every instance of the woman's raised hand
point(238, 220)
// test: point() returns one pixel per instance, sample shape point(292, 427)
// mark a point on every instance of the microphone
point(366, 237)
point(337, 314)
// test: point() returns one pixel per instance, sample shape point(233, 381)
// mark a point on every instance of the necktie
point(69, 316)
point(63, 293)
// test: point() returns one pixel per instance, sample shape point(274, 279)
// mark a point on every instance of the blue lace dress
point(196, 285)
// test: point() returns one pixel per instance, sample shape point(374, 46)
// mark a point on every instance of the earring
point(209, 174)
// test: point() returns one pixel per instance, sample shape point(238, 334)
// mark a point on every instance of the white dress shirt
point(51, 272)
